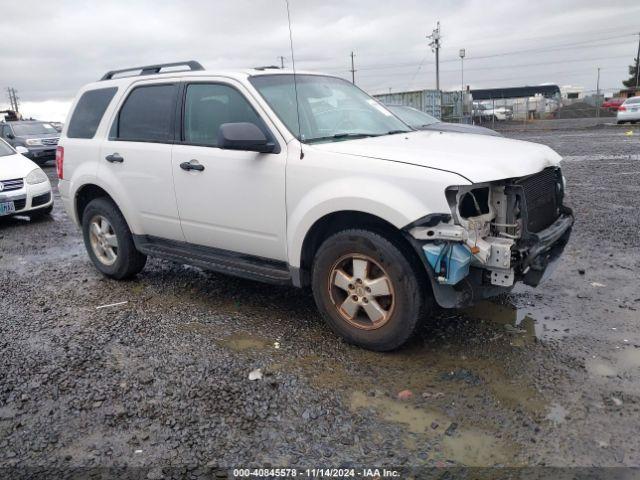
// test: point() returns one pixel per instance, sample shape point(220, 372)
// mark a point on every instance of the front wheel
point(367, 290)
point(109, 241)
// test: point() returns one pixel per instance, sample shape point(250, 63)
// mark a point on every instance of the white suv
point(304, 179)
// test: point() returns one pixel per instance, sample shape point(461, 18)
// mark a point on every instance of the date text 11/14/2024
point(373, 473)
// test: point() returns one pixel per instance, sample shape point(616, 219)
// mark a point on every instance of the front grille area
point(20, 204)
point(8, 185)
point(50, 141)
point(40, 199)
point(543, 197)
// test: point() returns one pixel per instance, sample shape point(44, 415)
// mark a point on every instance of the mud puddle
point(237, 342)
point(525, 324)
point(450, 442)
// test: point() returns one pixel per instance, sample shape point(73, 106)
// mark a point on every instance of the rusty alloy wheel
point(103, 240)
point(361, 291)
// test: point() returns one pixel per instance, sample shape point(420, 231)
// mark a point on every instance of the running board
point(223, 261)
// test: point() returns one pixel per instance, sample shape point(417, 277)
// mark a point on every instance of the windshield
point(24, 129)
point(412, 116)
point(5, 149)
point(633, 100)
point(330, 109)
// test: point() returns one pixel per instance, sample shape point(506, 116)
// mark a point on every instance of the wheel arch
point(334, 222)
point(88, 192)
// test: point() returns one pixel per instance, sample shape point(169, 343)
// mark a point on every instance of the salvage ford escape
point(304, 179)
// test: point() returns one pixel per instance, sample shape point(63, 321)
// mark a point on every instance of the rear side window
point(88, 113)
point(148, 114)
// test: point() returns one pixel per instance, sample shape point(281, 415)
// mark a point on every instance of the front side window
point(89, 111)
point(328, 108)
point(5, 149)
point(148, 114)
point(6, 131)
point(207, 106)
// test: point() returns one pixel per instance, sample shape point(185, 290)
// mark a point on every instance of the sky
point(51, 51)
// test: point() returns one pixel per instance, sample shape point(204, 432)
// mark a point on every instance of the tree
point(633, 71)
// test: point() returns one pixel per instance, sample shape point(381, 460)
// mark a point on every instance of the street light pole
point(462, 55)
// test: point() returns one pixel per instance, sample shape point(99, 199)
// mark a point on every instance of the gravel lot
point(547, 376)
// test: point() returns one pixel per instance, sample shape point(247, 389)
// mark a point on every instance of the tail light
point(60, 162)
point(622, 108)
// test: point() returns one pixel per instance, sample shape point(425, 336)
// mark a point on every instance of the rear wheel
point(367, 290)
point(109, 242)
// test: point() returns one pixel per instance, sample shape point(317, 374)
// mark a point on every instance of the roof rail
point(154, 69)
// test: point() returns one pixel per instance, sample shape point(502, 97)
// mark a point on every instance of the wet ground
point(155, 371)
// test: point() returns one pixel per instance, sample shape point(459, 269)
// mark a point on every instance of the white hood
point(479, 158)
point(15, 166)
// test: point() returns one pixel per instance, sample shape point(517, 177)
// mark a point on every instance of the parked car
point(613, 103)
point(486, 113)
point(24, 188)
point(242, 173)
point(423, 121)
point(629, 111)
point(39, 138)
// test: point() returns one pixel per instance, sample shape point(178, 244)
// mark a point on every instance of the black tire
point(43, 212)
point(411, 299)
point(129, 261)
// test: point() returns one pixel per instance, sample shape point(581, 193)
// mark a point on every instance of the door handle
point(192, 165)
point(114, 158)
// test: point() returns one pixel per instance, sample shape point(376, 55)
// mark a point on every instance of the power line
point(511, 66)
point(573, 46)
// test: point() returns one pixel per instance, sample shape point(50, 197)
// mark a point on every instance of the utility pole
point(462, 54)
point(281, 62)
point(353, 70)
point(435, 47)
point(598, 94)
point(638, 65)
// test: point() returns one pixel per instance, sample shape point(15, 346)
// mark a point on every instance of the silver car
point(629, 111)
point(423, 121)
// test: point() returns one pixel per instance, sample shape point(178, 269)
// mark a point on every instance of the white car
point(629, 111)
point(489, 112)
point(306, 180)
point(24, 188)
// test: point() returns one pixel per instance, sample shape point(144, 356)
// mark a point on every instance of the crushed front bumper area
point(534, 259)
point(545, 249)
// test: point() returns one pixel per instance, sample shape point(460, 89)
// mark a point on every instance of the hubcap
point(361, 291)
point(104, 242)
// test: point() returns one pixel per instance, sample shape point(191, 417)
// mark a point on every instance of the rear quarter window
point(89, 111)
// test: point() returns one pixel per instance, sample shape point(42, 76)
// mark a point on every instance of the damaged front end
point(497, 233)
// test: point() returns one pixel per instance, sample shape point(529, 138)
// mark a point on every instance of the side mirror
point(21, 150)
point(243, 136)
point(11, 136)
